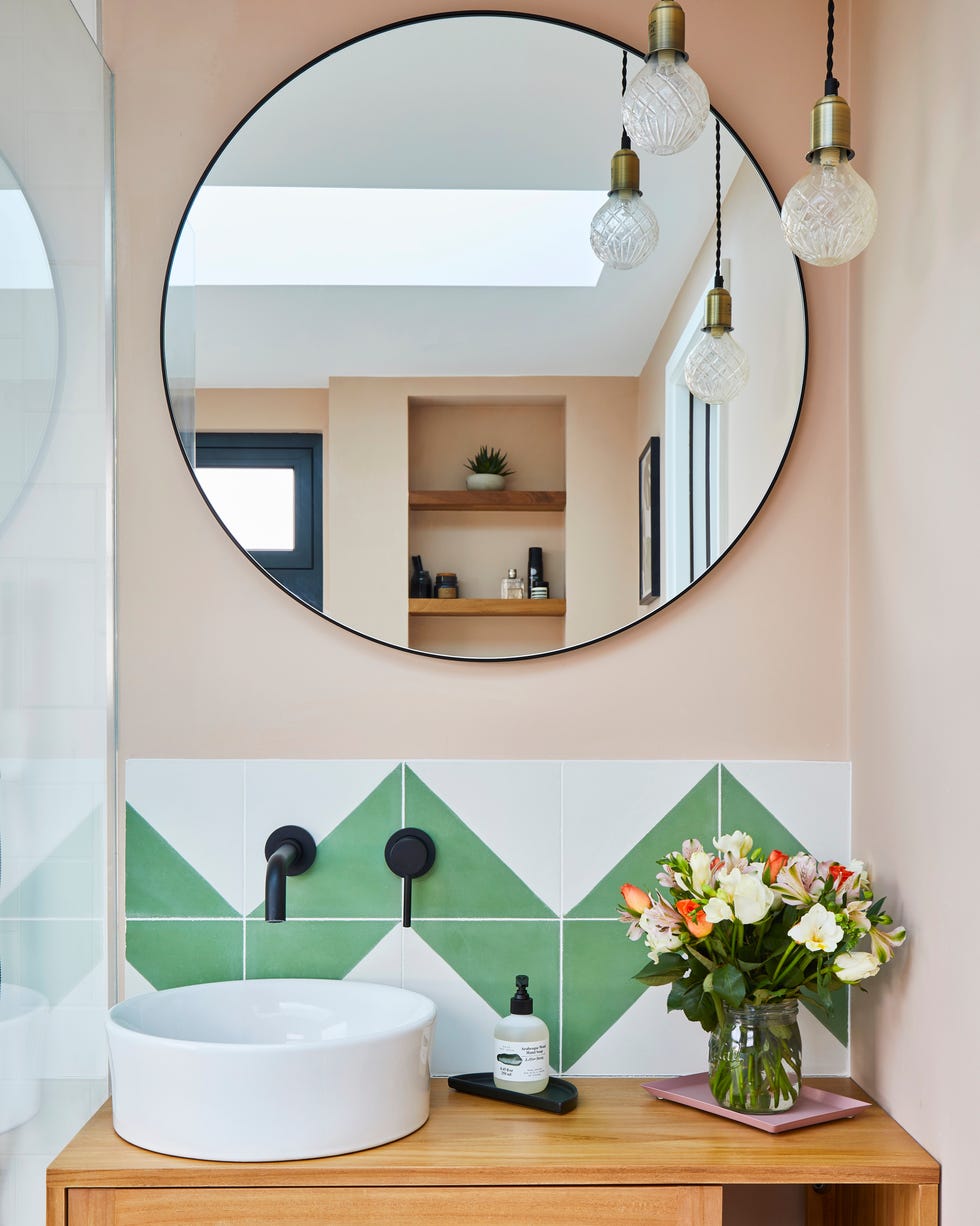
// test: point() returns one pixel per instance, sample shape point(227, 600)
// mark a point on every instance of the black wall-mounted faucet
point(409, 853)
point(289, 851)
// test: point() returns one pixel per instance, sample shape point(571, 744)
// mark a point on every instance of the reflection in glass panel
point(28, 340)
point(257, 505)
point(55, 572)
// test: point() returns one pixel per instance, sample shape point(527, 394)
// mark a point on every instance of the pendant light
point(717, 369)
point(830, 215)
point(624, 231)
point(666, 105)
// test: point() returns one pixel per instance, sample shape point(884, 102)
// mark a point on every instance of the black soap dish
point(558, 1096)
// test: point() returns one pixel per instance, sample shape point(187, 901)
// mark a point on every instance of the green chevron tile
point(741, 811)
point(64, 883)
point(309, 949)
point(172, 953)
point(349, 878)
point(694, 816)
point(599, 962)
point(489, 955)
point(467, 879)
point(160, 882)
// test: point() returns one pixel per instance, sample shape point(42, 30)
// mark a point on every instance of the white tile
point(383, 964)
point(134, 984)
point(646, 1041)
point(464, 1021)
point(198, 807)
point(811, 799)
point(513, 807)
point(314, 795)
point(608, 807)
point(823, 1054)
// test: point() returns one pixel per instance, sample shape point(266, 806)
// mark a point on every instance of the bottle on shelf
point(512, 587)
point(535, 568)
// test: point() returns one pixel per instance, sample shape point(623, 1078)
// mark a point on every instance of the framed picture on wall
point(649, 466)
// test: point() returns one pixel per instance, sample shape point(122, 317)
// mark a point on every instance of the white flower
point(737, 845)
point(690, 846)
point(661, 941)
point(853, 967)
point(884, 944)
point(700, 872)
point(753, 899)
point(818, 930)
point(856, 913)
point(716, 911)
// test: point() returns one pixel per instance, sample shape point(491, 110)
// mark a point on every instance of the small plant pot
point(485, 481)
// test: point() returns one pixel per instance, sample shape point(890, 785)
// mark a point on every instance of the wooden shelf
point(486, 608)
point(486, 500)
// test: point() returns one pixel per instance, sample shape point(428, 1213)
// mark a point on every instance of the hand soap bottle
point(520, 1041)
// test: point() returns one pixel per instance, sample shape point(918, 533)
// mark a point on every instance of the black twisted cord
point(719, 281)
point(625, 142)
point(831, 85)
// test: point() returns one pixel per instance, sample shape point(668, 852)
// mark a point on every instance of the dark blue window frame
point(299, 569)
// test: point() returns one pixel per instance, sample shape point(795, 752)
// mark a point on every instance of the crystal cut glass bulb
point(830, 215)
point(624, 231)
point(665, 106)
point(716, 369)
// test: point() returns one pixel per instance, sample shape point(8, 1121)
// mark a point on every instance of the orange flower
point(839, 875)
point(777, 859)
point(693, 914)
point(637, 900)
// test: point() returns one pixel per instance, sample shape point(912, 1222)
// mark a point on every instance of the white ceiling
point(476, 102)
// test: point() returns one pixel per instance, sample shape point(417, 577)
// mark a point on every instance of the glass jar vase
point(755, 1058)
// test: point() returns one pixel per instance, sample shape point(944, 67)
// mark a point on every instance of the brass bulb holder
point(666, 29)
point(830, 127)
point(625, 176)
point(717, 311)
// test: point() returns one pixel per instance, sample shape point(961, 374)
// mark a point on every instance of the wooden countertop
point(617, 1135)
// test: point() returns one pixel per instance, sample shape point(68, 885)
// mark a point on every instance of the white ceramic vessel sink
point(266, 1069)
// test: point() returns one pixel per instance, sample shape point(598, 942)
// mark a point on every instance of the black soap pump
point(420, 585)
point(520, 1042)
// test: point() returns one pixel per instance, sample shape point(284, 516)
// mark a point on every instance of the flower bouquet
point(741, 936)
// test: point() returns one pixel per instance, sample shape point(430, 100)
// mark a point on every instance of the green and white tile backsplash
point(530, 858)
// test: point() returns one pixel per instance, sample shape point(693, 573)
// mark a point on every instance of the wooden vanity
point(620, 1156)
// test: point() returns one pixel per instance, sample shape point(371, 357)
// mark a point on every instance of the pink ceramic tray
point(812, 1107)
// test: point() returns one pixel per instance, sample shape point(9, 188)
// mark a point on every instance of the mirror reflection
point(388, 268)
point(28, 341)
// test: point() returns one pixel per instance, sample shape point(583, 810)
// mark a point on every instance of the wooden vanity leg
point(869, 1205)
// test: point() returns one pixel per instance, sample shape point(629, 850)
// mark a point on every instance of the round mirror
point(28, 341)
point(385, 278)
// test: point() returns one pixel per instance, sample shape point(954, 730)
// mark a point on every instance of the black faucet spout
point(289, 851)
point(276, 870)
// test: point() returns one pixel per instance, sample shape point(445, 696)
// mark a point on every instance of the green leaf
point(655, 976)
point(676, 998)
point(728, 982)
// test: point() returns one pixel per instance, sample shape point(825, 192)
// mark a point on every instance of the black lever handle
point(409, 853)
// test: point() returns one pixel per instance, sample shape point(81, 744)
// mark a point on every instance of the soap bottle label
point(520, 1061)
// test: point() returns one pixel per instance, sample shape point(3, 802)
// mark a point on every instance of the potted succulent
point(488, 469)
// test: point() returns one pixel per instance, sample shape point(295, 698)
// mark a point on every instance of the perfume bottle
point(512, 587)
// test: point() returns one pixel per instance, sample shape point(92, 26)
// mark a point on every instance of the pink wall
point(751, 663)
point(915, 438)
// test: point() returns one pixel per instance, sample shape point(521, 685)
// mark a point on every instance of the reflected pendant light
point(717, 369)
point(830, 215)
point(666, 104)
point(624, 231)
